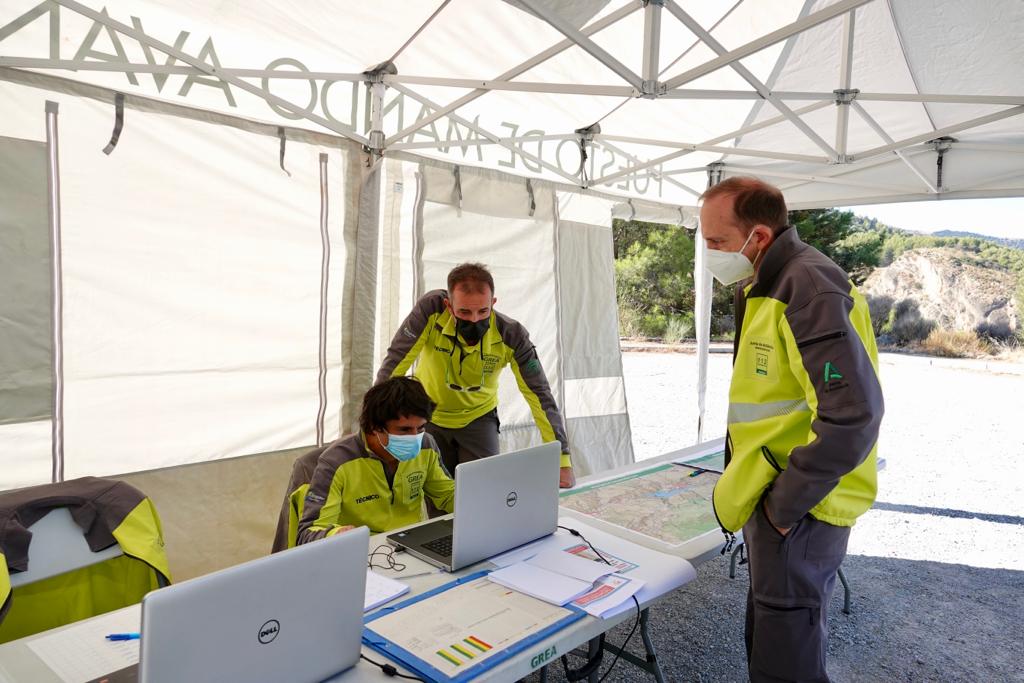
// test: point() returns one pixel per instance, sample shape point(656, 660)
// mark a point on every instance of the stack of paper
point(560, 577)
point(381, 589)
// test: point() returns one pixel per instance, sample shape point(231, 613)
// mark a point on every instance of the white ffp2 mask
point(729, 267)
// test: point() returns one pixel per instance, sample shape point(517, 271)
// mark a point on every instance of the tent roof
point(839, 102)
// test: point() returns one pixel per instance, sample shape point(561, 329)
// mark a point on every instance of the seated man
point(378, 477)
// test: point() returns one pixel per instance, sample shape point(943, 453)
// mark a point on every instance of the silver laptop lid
point(504, 501)
point(296, 615)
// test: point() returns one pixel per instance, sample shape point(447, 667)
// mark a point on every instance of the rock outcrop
point(950, 290)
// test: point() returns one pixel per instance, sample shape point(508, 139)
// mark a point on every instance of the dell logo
point(269, 631)
point(511, 499)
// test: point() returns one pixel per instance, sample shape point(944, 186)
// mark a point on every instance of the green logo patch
point(830, 372)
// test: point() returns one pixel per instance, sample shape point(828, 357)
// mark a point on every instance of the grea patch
point(532, 367)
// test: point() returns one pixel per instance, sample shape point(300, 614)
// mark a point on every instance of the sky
point(993, 217)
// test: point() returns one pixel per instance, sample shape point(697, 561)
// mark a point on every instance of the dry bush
point(955, 344)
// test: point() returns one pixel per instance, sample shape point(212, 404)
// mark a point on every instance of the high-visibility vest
point(805, 402)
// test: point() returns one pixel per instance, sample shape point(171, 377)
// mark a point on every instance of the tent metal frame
point(643, 85)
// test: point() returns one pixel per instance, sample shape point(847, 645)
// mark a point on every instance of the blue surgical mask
point(403, 447)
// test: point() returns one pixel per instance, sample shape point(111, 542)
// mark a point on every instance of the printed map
point(665, 502)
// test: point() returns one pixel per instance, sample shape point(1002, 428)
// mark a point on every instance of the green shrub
point(629, 322)
point(653, 325)
point(679, 328)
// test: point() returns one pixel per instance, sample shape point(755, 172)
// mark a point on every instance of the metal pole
point(57, 304)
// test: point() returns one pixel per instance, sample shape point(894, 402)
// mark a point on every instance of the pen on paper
point(122, 636)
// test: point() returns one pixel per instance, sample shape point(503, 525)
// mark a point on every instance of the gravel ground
point(936, 567)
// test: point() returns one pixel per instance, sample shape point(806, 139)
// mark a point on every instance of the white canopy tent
point(280, 180)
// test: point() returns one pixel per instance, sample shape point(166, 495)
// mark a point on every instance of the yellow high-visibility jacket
point(350, 487)
point(805, 403)
point(428, 337)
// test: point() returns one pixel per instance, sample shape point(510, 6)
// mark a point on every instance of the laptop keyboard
point(442, 546)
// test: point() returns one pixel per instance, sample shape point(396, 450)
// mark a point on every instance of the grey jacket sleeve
point(844, 385)
point(533, 382)
point(411, 335)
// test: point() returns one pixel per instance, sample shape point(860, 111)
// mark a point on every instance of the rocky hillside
point(949, 290)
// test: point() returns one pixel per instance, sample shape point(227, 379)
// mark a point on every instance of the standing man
point(805, 406)
point(461, 344)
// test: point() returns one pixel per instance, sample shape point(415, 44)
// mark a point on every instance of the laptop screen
point(296, 615)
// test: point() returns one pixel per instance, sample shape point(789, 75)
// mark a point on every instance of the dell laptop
point(296, 615)
point(501, 502)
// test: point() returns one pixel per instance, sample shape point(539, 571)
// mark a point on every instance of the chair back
point(58, 546)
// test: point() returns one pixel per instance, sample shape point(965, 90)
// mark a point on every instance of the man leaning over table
point(460, 344)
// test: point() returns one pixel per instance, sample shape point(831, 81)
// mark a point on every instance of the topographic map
point(668, 502)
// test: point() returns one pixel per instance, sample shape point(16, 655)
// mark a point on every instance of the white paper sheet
point(609, 593)
point(381, 589)
point(567, 564)
point(540, 583)
point(661, 573)
point(81, 653)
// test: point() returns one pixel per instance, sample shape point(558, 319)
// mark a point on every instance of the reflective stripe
point(752, 412)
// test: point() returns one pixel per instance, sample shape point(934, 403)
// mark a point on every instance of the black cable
point(389, 670)
point(636, 622)
point(389, 559)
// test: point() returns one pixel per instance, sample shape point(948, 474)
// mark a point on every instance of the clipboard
point(425, 669)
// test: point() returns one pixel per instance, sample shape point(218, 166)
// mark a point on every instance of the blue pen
point(123, 636)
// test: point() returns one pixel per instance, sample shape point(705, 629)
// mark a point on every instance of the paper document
point(82, 652)
point(568, 564)
point(609, 593)
point(618, 565)
point(541, 583)
point(466, 626)
point(381, 589)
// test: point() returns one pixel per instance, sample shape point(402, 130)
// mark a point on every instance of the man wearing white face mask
point(805, 406)
point(378, 477)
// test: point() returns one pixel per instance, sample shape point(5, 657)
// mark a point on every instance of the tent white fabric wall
point(191, 291)
point(839, 101)
point(216, 304)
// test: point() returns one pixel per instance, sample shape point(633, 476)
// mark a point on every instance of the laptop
point(296, 615)
point(501, 502)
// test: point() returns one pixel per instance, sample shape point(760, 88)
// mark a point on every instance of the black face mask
point(470, 331)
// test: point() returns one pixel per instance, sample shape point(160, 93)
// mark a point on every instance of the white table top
point(18, 662)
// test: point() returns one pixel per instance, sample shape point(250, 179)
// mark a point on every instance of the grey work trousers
point(478, 439)
point(791, 581)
